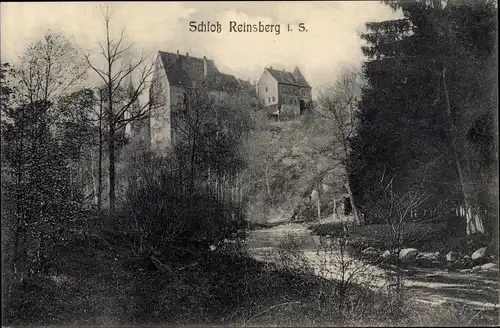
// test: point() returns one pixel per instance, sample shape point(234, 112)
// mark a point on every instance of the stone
point(287, 161)
point(408, 254)
point(479, 254)
point(386, 254)
point(489, 266)
point(428, 256)
point(295, 151)
point(452, 256)
point(476, 268)
point(370, 252)
point(465, 270)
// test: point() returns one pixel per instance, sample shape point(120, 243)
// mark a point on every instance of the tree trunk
point(318, 206)
point(355, 211)
point(94, 183)
point(193, 157)
point(334, 210)
point(268, 187)
point(111, 120)
point(112, 177)
point(99, 168)
point(467, 204)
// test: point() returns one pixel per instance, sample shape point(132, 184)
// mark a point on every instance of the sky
point(330, 43)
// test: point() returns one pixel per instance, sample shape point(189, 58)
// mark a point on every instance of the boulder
point(408, 254)
point(386, 254)
point(467, 261)
point(426, 259)
point(476, 268)
point(452, 256)
point(370, 252)
point(437, 255)
point(156, 265)
point(427, 255)
point(295, 151)
point(287, 161)
point(489, 267)
point(479, 254)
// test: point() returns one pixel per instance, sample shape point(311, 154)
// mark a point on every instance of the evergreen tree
point(425, 99)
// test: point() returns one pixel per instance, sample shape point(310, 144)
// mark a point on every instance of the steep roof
point(188, 71)
point(289, 78)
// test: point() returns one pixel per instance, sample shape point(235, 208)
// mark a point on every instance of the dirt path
point(434, 286)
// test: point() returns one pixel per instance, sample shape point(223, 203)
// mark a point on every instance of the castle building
point(284, 94)
point(175, 74)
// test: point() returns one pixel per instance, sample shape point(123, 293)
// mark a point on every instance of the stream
point(479, 290)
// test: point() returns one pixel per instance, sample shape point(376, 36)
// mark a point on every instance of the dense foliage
point(428, 110)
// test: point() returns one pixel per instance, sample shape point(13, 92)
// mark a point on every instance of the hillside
point(288, 161)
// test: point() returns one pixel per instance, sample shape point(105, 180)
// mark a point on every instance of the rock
point(295, 151)
point(479, 254)
point(408, 254)
point(427, 255)
point(156, 265)
point(287, 161)
point(489, 266)
point(467, 261)
point(370, 252)
point(465, 270)
point(452, 256)
point(314, 196)
point(386, 254)
point(476, 268)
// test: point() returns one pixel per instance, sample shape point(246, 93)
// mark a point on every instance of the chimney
point(177, 53)
point(205, 66)
point(187, 54)
point(270, 67)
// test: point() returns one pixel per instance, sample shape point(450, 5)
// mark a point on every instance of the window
point(274, 98)
point(266, 89)
point(269, 99)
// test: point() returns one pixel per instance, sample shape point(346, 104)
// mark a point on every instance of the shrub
point(159, 212)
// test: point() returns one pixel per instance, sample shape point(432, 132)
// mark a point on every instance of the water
point(434, 286)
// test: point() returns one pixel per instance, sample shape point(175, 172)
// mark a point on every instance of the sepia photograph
point(249, 164)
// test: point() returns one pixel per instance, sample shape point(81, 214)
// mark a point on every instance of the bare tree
point(338, 103)
point(50, 68)
point(122, 96)
point(396, 208)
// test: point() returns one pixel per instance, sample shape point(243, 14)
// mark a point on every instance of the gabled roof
point(188, 71)
point(295, 78)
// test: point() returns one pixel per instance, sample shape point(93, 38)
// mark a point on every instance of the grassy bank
point(102, 284)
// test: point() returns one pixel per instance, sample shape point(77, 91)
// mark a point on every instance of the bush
point(159, 213)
